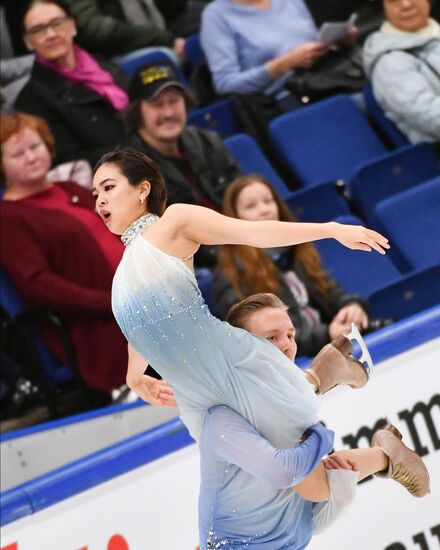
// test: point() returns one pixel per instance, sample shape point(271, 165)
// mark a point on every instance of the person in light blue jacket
point(402, 60)
point(253, 46)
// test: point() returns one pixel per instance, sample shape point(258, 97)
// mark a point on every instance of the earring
point(142, 200)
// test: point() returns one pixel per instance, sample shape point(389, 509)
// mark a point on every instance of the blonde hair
point(238, 315)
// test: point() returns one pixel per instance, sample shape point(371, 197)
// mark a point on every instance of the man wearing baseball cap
point(196, 164)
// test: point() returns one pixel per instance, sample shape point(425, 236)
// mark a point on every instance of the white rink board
point(384, 513)
point(155, 507)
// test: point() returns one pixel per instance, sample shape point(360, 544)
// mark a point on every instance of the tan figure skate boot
point(406, 467)
point(335, 366)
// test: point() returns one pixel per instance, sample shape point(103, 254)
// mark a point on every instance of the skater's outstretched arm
point(185, 227)
point(234, 440)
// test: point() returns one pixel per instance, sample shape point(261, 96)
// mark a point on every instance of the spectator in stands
point(196, 164)
point(117, 27)
point(252, 46)
point(402, 60)
point(320, 308)
point(58, 252)
point(78, 96)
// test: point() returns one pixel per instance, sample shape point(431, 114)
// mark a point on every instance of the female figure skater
point(160, 310)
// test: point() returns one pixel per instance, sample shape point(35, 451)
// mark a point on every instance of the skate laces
point(405, 477)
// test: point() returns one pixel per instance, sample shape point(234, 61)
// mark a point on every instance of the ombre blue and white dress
point(207, 362)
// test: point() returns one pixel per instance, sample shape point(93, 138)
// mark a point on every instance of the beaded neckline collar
point(138, 227)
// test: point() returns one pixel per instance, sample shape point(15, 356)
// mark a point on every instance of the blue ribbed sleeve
point(234, 440)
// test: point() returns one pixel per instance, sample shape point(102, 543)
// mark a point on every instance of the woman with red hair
point(58, 252)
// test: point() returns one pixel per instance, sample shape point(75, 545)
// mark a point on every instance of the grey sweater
point(404, 70)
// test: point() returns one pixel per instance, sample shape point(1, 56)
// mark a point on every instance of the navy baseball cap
point(148, 82)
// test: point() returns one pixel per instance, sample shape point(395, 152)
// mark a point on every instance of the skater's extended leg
point(388, 456)
point(365, 461)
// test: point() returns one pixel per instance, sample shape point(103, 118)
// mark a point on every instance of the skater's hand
point(357, 237)
point(352, 313)
point(336, 461)
point(151, 390)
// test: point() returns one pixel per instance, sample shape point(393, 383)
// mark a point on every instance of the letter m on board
point(426, 411)
point(363, 433)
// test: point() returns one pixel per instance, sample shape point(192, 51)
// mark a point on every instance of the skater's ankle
point(383, 460)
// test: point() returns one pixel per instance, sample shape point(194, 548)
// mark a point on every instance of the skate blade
point(365, 357)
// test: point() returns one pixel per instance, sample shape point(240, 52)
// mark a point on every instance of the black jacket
point(84, 124)
point(103, 28)
point(208, 158)
point(309, 339)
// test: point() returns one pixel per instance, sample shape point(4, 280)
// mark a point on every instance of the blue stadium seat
point(411, 220)
point(413, 293)
point(359, 272)
point(133, 61)
point(385, 126)
point(219, 117)
point(391, 174)
point(193, 50)
point(252, 160)
point(10, 301)
point(325, 141)
point(320, 203)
